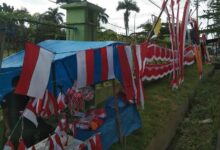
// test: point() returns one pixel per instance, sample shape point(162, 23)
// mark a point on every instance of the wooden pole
point(117, 114)
point(158, 18)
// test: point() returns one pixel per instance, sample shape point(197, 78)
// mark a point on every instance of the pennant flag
point(185, 20)
point(157, 27)
point(21, 145)
point(94, 65)
point(30, 113)
point(94, 143)
point(57, 143)
point(72, 127)
point(61, 101)
point(50, 105)
point(39, 106)
point(138, 65)
point(9, 145)
point(35, 72)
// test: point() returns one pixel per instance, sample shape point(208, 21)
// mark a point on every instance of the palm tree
point(103, 17)
point(54, 16)
point(128, 5)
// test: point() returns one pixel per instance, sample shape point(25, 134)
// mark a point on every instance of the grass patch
point(160, 102)
point(193, 134)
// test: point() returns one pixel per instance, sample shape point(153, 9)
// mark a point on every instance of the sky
point(147, 9)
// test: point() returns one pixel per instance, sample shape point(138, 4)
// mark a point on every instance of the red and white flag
point(138, 65)
point(50, 105)
point(39, 106)
point(94, 143)
point(72, 127)
point(30, 113)
point(57, 143)
point(21, 145)
point(61, 101)
point(35, 72)
point(9, 145)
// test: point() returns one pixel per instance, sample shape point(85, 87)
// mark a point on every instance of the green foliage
point(103, 17)
point(19, 26)
point(213, 13)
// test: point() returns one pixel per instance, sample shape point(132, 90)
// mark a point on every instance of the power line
point(119, 26)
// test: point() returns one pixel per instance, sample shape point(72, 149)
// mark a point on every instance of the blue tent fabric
point(130, 121)
point(64, 64)
point(64, 72)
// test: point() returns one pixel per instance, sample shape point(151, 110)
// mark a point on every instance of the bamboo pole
point(158, 18)
point(117, 114)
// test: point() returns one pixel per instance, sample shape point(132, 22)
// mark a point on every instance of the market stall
point(79, 64)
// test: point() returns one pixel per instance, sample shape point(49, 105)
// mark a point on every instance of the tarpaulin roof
point(61, 48)
point(11, 66)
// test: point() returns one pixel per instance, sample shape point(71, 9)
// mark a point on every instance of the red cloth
point(21, 145)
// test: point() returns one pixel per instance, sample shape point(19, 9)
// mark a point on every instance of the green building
point(84, 16)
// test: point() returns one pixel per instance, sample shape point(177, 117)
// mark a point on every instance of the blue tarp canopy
point(64, 62)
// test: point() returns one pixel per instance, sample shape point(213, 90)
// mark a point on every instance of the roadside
point(199, 129)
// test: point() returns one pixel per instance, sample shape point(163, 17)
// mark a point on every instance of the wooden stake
point(117, 114)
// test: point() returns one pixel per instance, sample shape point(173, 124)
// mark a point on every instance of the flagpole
point(158, 18)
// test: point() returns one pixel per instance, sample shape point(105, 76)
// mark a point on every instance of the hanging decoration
point(35, 71)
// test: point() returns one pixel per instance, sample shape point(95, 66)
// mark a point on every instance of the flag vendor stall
point(84, 65)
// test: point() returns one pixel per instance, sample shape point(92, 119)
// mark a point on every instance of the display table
point(130, 121)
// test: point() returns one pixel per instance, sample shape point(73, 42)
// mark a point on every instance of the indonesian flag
point(61, 130)
point(72, 127)
point(39, 106)
point(61, 101)
point(50, 105)
point(57, 143)
point(35, 72)
point(21, 145)
point(9, 145)
point(94, 143)
point(30, 113)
